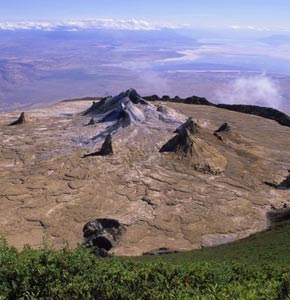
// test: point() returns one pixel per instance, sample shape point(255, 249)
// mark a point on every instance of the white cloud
point(253, 90)
point(249, 27)
point(126, 24)
point(260, 28)
point(121, 24)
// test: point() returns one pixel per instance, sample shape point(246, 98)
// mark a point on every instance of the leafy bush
point(77, 274)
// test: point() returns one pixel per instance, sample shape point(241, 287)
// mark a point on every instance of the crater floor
point(49, 191)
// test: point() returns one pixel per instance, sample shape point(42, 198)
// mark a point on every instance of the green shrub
point(77, 274)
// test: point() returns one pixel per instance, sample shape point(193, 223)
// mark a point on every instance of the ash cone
point(21, 120)
point(196, 152)
point(125, 110)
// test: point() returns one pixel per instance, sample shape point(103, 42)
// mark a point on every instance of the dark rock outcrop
point(284, 185)
point(165, 98)
point(106, 149)
point(278, 216)
point(102, 235)
point(152, 98)
point(21, 120)
point(189, 100)
point(265, 112)
point(197, 101)
point(225, 127)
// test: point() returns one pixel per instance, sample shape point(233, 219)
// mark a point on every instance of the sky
point(260, 14)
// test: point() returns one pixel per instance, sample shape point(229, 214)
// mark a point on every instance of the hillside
point(255, 268)
point(267, 247)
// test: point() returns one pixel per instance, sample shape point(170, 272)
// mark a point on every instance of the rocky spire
point(21, 120)
point(285, 184)
point(181, 142)
point(107, 148)
point(189, 125)
point(134, 96)
point(223, 128)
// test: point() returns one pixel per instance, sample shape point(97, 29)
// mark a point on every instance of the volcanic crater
point(172, 175)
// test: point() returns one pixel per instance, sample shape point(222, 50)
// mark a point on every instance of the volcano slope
point(169, 185)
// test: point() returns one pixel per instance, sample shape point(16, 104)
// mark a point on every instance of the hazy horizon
point(271, 14)
point(228, 52)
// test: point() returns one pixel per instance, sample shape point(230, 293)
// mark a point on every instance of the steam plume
point(253, 90)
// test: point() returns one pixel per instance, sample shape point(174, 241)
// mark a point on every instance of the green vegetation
point(255, 268)
point(271, 246)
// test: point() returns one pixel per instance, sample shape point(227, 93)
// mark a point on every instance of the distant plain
point(231, 66)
